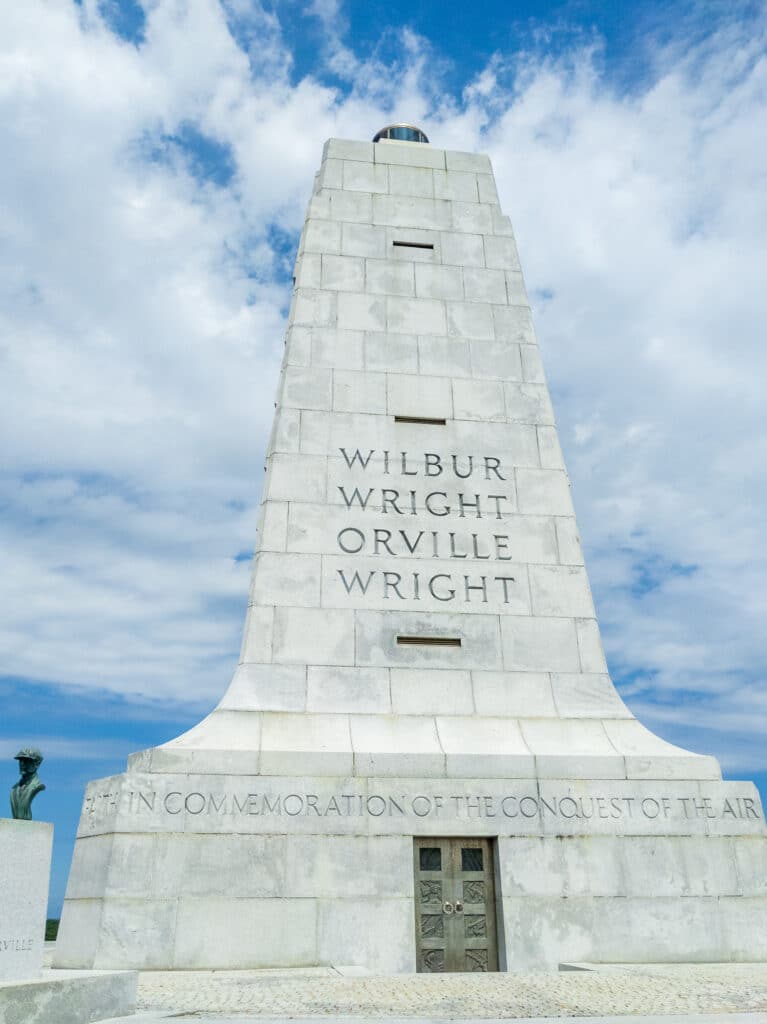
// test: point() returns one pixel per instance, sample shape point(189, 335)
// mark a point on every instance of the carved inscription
point(16, 945)
point(102, 804)
point(448, 806)
point(439, 496)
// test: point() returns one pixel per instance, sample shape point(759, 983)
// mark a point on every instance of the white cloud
point(57, 749)
point(142, 317)
point(643, 220)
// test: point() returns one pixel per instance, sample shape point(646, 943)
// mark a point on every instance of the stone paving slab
point(612, 991)
point(67, 997)
point(697, 1018)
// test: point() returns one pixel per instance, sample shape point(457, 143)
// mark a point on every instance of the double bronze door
point(455, 905)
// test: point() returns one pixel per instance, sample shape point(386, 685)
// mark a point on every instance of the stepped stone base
point(69, 997)
point(224, 871)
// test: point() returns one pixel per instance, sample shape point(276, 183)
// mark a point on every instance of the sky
point(157, 161)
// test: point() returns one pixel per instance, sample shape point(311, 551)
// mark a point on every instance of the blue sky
point(163, 154)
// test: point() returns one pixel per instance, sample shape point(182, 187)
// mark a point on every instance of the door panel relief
point(455, 905)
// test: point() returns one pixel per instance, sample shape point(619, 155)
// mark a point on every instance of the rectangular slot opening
point(434, 421)
point(414, 245)
point(430, 641)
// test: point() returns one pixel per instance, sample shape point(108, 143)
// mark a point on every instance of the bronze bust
point(28, 786)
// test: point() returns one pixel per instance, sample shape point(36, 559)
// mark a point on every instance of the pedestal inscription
point(25, 865)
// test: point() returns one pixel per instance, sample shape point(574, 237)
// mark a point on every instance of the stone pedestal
point(25, 869)
point(194, 871)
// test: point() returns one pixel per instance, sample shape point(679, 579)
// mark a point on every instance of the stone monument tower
point(421, 762)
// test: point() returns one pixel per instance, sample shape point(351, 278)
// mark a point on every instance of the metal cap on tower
point(401, 133)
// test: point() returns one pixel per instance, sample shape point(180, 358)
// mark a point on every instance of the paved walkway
point(721, 992)
point(707, 1018)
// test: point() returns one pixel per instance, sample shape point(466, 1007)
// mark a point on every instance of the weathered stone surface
point(365, 803)
point(69, 997)
point(25, 867)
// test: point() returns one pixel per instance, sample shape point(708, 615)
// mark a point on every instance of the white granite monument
point(421, 763)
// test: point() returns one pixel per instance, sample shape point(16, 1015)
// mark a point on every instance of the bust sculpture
point(28, 786)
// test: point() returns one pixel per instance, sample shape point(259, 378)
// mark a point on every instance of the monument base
point(230, 871)
point(25, 868)
point(69, 997)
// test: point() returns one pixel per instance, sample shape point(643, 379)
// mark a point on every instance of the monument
point(30, 992)
point(25, 867)
point(421, 763)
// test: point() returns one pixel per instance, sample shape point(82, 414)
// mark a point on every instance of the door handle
point(458, 906)
point(448, 907)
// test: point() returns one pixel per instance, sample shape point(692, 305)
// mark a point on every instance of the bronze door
point(455, 905)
